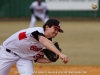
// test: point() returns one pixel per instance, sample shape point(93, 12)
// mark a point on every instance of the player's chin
point(54, 36)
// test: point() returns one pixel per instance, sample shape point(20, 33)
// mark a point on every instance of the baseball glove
point(51, 55)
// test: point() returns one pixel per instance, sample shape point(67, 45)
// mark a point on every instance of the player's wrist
point(60, 54)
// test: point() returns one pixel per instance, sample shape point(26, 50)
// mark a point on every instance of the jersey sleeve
point(32, 5)
point(35, 34)
point(45, 8)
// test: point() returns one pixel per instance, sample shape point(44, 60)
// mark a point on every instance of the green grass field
point(80, 40)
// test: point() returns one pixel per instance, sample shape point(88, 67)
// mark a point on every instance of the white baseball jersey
point(38, 9)
point(25, 43)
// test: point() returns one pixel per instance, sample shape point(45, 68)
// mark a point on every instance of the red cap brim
point(59, 29)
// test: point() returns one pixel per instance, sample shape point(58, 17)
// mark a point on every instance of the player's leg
point(33, 21)
point(6, 61)
point(25, 67)
point(45, 18)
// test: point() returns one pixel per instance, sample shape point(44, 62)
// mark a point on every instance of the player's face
point(53, 31)
point(39, 2)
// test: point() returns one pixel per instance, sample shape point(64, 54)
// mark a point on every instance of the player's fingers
point(65, 60)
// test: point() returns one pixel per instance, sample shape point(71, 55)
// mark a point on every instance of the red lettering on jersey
point(22, 35)
point(35, 48)
point(42, 51)
point(38, 56)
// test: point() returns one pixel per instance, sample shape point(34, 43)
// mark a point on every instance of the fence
point(20, 8)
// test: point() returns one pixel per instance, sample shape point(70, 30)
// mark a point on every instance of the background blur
point(81, 25)
point(20, 8)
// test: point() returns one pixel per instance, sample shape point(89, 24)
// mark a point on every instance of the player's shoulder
point(43, 3)
point(34, 3)
point(39, 29)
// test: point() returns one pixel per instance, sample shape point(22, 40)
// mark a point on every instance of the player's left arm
point(46, 12)
point(43, 60)
point(32, 11)
point(31, 7)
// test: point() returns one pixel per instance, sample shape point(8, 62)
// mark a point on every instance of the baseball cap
point(55, 23)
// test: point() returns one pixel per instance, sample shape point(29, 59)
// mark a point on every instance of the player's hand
point(64, 58)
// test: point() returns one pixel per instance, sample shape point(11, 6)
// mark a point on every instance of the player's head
point(52, 26)
point(39, 2)
point(53, 22)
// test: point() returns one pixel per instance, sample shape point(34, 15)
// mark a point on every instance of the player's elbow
point(46, 12)
point(32, 10)
point(43, 60)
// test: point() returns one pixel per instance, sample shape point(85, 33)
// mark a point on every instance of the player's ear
point(47, 26)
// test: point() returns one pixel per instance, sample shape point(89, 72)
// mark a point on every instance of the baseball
point(94, 6)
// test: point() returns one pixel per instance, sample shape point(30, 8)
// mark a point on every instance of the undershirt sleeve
point(35, 34)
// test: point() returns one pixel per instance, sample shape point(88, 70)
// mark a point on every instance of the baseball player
point(39, 11)
point(27, 45)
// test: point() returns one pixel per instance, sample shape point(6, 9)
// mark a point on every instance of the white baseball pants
point(25, 67)
point(33, 19)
